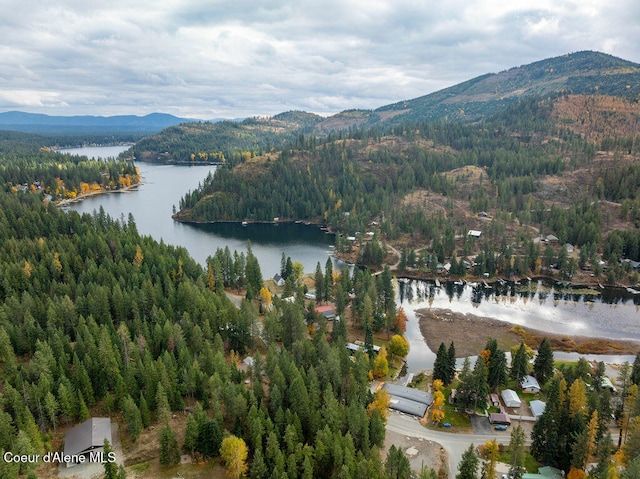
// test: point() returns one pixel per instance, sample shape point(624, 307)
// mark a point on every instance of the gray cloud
point(246, 57)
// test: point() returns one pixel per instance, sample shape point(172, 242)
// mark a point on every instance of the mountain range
point(87, 124)
point(585, 72)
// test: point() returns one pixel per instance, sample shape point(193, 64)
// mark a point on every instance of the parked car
point(500, 427)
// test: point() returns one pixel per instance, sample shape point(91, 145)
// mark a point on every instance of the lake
point(162, 187)
point(535, 305)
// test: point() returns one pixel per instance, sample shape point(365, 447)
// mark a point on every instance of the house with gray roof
point(87, 437)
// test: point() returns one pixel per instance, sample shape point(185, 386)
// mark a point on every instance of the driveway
point(454, 444)
point(481, 425)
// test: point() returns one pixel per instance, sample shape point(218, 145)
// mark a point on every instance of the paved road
point(454, 444)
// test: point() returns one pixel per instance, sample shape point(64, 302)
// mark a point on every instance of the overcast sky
point(238, 58)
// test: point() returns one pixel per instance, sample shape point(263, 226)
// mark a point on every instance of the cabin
point(359, 346)
point(474, 233)
point(537, 408)
point(278, 280)
point(327, 311)
point(510, 398)
point(483, 214)
point(552, 239)
point(529, 384)
point(86, 440)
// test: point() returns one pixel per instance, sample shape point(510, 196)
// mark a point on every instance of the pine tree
point(468, 467)
point(110, 468)
point(635, 370)
point(441, 365)
point(516, 448)
point(451, 363)
point(519, 364)
point(169, 451)
point(543, 364)
point(397, 465)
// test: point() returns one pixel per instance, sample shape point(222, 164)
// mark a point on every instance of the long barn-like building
point(408, 400)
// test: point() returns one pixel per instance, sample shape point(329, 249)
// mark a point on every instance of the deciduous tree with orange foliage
point(400, 322)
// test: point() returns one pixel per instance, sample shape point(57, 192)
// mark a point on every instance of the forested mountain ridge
point(541, 166)
point(225, 140)
point(587, 72)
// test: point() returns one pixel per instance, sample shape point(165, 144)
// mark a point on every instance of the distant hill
point(584, 72)
point(578, 73)
point(202, 139)
point(87, 124)
point(581, 73)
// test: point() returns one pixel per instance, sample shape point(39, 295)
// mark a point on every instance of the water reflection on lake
point(605, 313)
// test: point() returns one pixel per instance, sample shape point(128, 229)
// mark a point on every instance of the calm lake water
point(535, 305)
point(162, 187)
point(617, 316)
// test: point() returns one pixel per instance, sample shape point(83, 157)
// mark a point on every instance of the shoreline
point(469, 334)
point(68, 201)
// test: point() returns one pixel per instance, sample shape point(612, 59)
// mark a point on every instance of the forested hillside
point(533, 168)
point(589, 73)
point(27, 164)
point(225, 141)
point(96, 318)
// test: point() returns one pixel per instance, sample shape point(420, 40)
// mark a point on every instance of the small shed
point(529, 384)
point(474, 233)
point(86, 437)
point(537, 408)
point(494, 400)
point(510, 398)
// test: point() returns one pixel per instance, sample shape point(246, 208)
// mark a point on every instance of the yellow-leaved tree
point(139, 257)
point(381, 364)
point(234, 453)
point(265, 298)
point(380, 403)
point(437, 407)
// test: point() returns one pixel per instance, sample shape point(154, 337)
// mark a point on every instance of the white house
point(529, 384)
point(510, 398)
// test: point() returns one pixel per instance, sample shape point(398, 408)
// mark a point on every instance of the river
point(162, 186)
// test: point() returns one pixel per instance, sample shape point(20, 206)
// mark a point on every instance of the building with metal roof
point(510, 398)
point(408, 400)
point(537, 408)
point(87, 437)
